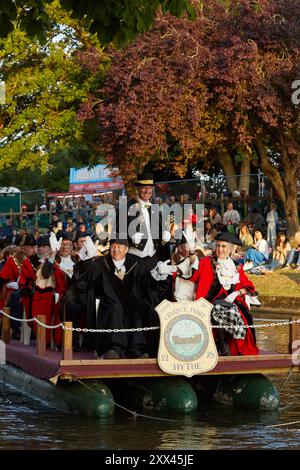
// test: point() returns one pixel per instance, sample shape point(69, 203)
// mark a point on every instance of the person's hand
point(12, 285)
point(54, 243)
point(190, 236)
point(166, 268)
point(166, 236)
point(231, 297)
point(137, 238)
point(91, 249)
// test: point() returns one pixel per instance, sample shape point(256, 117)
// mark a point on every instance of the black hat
point(64, 235)
point(229, 238)
point(120, 241)
point(180, 237)
point(79, 234)
point(145, 179)
point(28, 240)
point(43, 240)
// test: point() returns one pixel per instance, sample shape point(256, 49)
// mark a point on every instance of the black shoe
point(112, 354)
point(16, 335)
point(136, 354)
point(223, 349)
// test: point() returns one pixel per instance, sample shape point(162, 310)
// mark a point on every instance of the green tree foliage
point(113, 20)
point(44, 86)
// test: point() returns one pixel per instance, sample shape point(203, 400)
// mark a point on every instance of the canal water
point(29, 424)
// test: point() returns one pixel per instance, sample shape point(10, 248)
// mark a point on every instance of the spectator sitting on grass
point(280, 254)
point(258, 254)
point(293, 259)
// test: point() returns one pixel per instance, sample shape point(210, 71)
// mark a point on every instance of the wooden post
point(294, 335)
point(36, 224)
point(6, 326)
point(68, 342)
point(41, 337)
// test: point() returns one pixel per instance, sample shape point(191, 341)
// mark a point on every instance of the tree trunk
point(244, 182)
point(284, 185)
point(225, 161)
point(291, 205)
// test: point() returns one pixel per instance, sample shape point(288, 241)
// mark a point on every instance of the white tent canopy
point(9, 189)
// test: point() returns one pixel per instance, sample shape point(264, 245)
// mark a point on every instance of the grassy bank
point(282, 283)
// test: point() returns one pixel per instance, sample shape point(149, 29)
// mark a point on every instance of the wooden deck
point(52, 368)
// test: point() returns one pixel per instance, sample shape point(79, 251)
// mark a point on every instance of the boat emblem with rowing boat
point(186, 344)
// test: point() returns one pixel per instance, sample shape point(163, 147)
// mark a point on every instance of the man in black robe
point(116, 294)
point(143, 222)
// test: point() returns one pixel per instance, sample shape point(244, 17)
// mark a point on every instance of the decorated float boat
point(79, 383)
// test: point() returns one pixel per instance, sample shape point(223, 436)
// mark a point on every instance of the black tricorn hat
point(28, 240)
point(79, 234)
point(43, 240)
point(64, 235)
point(145, 179)
point(229, 238)
point(120, 241)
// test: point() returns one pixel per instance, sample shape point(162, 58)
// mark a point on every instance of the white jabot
point(119, 264)
point(227, 273)
point(120, 268)
point(67, 265)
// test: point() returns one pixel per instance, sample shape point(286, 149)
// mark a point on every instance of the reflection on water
point(25, 423)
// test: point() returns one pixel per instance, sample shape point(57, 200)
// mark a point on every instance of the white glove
point(12, 285)
point(137, 238)
point(91, 249)
point(56, 297)
point(231, 297)
point(54, 243)
point(82, 253)
point(252, 300)
point(165, 268)
point(166, 236)
point(190, 236)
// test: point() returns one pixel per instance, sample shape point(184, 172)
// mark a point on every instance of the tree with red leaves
point(207, 90)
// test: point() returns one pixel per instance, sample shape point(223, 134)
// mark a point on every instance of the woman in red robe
point(218, 279)
point(42, 285)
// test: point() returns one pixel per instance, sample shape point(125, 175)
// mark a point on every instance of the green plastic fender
point(90, 398)
point(174, 395)
point(164, 394)
point(247, 391)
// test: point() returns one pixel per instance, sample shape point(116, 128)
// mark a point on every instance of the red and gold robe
point(209, 287)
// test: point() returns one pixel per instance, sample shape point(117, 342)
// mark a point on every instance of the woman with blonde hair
point(245, 236)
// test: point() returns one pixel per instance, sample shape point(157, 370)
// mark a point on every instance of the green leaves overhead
point(113, 20)
point(45, 85)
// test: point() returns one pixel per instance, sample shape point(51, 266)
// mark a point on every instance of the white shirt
point(272, 218)
point(67, 265)
point(119, 264)
point(262, 246)
point(149, 247)
point(217, 219)
point(233, 215)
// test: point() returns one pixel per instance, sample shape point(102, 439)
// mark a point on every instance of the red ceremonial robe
point(9, 273)
point(206, 279)
point(43, 301)
point(38, 296)
point(27, 281)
